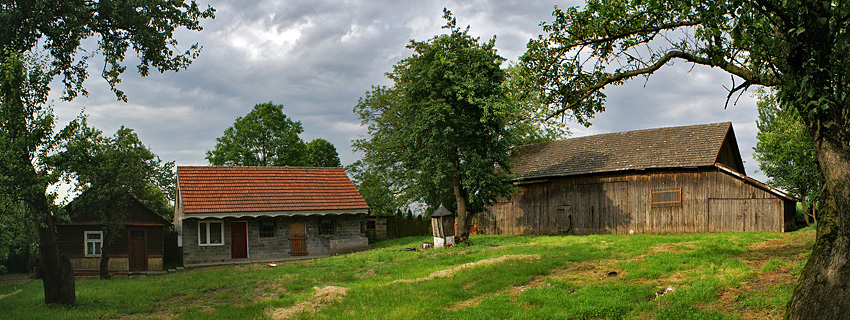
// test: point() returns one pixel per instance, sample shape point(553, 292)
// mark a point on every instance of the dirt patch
point(323, 296)
point(14, 278)
point(448, 272)
point(674, 247)
point(2, 296)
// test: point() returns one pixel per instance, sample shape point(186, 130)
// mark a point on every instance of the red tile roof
point(265, 189)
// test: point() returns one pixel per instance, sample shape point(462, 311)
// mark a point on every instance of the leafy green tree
point(377, 188)
point(110, 173)
point(60, 30)
point(26, 135)
point(440, 129)
point(785, 151)
point(528, 120)
point(799, 47)
point(322, 153)
point(264, 137)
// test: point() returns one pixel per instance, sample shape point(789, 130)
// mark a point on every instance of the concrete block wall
point(347, 238)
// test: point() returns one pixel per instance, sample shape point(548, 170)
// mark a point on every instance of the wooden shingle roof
point(671, 147)
point(266, 189)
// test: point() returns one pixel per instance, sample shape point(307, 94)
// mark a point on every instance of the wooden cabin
point(685, 179)
point(138, 247)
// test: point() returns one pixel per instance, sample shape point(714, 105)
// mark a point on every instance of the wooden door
point(239, 240)
point(138, 251)
point(298, 239)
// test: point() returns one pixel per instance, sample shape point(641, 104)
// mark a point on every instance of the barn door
point(138, 251)
point(239, 240)
point(298, 239)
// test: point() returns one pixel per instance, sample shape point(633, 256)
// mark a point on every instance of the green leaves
point(264, 137)
point(441, 124)
point(111, 171)
point(267, 137)
point(145, 27)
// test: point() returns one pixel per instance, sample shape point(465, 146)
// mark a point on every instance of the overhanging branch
point(750, 77)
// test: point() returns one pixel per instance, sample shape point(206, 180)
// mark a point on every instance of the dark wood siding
point(687, 201)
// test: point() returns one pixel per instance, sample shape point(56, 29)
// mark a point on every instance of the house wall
point(71, 242)
point(347, 238)
point(711, 201)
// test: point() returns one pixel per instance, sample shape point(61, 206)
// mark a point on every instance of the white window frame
point(206, 224)
point(86, 242)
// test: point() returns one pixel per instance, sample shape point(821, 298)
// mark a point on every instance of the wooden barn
point(685, 179)
point(138, 247)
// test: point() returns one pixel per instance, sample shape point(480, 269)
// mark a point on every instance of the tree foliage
point(60, 29)
point(799, 47)
point(440, 129)
point(26, 141)
point(785, 151)
point(322, 153)
point(264, 137)
point(377, 188)
point(110, 174)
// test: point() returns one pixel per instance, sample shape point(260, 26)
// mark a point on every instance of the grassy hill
point(696, 276)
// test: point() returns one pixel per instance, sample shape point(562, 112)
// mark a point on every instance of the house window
point(266, 228)
point(326, 227)
point(667, 198)
point(94, 243)
point(210, 233)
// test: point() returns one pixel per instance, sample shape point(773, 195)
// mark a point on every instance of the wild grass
point(695, 276)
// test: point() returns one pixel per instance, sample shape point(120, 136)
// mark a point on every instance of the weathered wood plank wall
point(689, 201)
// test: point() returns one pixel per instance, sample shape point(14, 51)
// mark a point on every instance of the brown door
point(138, 251)
point(239, 240)
point(298, 239)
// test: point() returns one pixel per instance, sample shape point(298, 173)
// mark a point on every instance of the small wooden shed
point(443, 227)
point(667, 180)
point(138, 247)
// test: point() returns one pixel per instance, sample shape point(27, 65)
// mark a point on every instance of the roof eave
point(270, 214)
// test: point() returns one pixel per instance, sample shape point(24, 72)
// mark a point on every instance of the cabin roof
point(266, 189)
point(670, 147)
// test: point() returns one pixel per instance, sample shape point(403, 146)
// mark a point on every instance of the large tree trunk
point(823, 290)
point(462, 216)
point(56, 270)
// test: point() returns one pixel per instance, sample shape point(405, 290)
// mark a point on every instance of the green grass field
point(696, 276)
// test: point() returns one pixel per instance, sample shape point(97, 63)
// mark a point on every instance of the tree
point(264, 137)
point(798, 47)
point(785, 151)
point(25, 142)
point(110, 173)
point(60, 28)
point(440, 129)
point(377, 188)
point(322, 153)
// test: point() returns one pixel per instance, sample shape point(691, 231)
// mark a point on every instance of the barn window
point(667, 198)
point(266, 228)
point(94, 243)
point(326, 227)
point(210, 233)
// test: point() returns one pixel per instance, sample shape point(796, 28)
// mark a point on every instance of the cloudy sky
point(318, 57)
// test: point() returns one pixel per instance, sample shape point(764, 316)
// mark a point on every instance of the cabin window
point(667, 198)
point(326, 227)
point(94, 243)
point(266, 228)
point(210, 233)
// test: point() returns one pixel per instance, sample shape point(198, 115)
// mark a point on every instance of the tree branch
point(750, 78)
